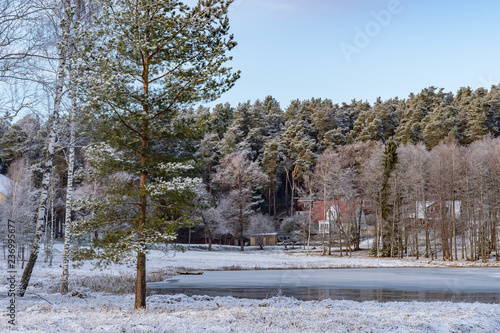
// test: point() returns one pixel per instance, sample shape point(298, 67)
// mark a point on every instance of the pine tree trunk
point(140, 285)
point(274, 199)
point(269, 201)
point(292, 193)
point(24, 248)
point(286, 192)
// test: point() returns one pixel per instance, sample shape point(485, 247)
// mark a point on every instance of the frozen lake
point(371, 284)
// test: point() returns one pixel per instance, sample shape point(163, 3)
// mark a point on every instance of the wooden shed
point(264, 239)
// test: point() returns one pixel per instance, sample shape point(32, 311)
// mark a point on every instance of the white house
point(4, 187)
point(330, 212)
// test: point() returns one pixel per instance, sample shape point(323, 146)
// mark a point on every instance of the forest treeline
point(446, 158)
point(446, 153)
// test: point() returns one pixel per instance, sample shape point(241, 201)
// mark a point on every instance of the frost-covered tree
point(379, 122)
point(20, 141)
point(274, 118)
point(417, 107)
point(235, 137)
point(20, 43)
point(390, 234)
point(272, 167)
point(144, 61)
point(214, 128)
point(261, 224)
point(292, 225)
point(296, 153)
point(440, 124)
point(325, 171)
point(413, 171)
point(446, 172)
point(334, 180)
point(240, 178)
point(58, 50)
point(20, 203)
point(208, 211)
point(482, 114)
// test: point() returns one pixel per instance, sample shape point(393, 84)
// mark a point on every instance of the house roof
point(4, 185)
point(342, 208)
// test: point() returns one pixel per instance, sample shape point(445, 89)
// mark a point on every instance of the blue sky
point(362, 49)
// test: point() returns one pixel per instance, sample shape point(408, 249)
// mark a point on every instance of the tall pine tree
point(142, 64)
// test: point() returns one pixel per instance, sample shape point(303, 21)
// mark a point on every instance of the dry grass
point(107, 283)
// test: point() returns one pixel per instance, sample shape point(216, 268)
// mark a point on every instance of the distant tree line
point(292, 147)
point(289, 150)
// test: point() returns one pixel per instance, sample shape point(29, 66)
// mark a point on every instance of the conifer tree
point(296, 150)
point(274, 121)
point(20, 139)
point(142, 64)
point(272, 167)
point(235, 138)
point(216, 124)
point(417, 107)
point(388, 235)
point(483, 115)
point(493, 115)
point(440, 124)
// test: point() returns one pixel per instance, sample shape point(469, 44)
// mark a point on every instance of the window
point(324, 227)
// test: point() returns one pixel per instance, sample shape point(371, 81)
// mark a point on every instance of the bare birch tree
point(240, 177)
point(51, 141)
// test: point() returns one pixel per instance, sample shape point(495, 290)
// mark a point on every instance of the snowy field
point(180, 313)
point(277, 258)
point(85, 310)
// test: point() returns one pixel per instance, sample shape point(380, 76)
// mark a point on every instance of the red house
point(325, 213)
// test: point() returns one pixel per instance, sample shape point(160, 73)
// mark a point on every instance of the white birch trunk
point(52, 232)
point(69, 198)
point(47, 167)
point(43, 198)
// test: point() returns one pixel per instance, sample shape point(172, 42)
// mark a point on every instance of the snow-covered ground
point(84, 310)
point(180, 313)
point(277, 258)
